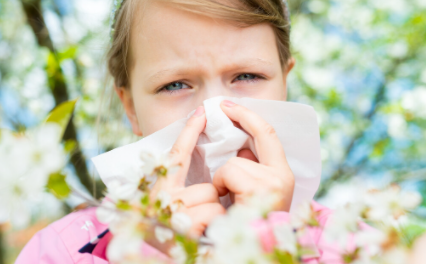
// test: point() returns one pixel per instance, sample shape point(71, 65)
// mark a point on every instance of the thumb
point(247, 154)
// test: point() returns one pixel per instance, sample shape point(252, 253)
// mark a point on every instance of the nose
point(213, 89)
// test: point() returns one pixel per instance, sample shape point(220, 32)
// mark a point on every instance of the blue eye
point(247, 77)
point(173, 87)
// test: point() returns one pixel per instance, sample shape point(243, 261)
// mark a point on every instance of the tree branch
point(34, 14)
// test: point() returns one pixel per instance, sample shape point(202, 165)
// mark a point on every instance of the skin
point(203, 58)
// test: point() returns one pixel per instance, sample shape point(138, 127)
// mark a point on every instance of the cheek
point(272, 90)
point(154, 114)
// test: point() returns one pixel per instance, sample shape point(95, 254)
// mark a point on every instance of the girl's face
point(179, 59)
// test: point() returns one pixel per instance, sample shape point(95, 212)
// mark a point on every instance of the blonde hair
point(243, 13)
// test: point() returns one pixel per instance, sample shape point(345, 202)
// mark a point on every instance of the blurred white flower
point(181, 222)
point(178, 254)
point(27, 162)
point(342, 223)
point(410, 200)
point(397, 126)
point(107, 212)
point(319, 78)
point(398, 50)
point(163, 234)
point(263, 203)
point(157, 164)
point(165, 198)
point(234, 239)
point(415, 101)
point(124, 246)
point(127, 238)
point(396, 255)
point(390, 203)
point(286, 238)
point(303, 216)
point(121, 191)
point(370, 240)
point(205, 255)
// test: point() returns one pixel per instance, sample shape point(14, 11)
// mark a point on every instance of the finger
point(185, 143)
point(247, 154)
point(197, 194)
point(238, 176)
point(267, 143)
point(201, 216)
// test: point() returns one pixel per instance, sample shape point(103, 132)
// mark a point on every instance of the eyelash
point(163, 89)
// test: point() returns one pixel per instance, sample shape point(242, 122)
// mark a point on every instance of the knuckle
point(176, 151)
point(211, 191)
point(269, 130)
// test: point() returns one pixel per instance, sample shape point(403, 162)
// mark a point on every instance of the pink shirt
point(61, 241)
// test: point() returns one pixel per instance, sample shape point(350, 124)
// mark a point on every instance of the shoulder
point(60, 241)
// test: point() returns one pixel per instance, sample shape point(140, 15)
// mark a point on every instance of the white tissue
point(295, 124)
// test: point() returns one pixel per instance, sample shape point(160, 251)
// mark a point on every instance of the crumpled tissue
point(295, 124)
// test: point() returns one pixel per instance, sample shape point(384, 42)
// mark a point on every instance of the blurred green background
point(360, 64)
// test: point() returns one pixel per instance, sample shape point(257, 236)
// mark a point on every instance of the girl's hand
point(243, 175)
point(200, 201)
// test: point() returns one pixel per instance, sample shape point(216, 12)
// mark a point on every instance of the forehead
point(163, 35)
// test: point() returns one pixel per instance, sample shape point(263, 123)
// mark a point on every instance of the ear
point(126, 98)
point(290, 64)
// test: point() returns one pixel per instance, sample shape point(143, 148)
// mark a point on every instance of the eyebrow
point(240, 65)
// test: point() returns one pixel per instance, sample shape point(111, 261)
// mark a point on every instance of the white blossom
point(178, 254)
point(27, 162)
point(234, 239)
point(153, 161)
point(107, 212)
point(410, 200)
point(415, 100)
point(163, 234)
point(127, 237)
point(286, 238)
point(303, 215)
point(396, 255)
point(121, 191)
point(342, 222)
point(165, 198)
point(181, 222)
point(124, 246)
point(390, 202)
point(205, 255)
point(370, 241)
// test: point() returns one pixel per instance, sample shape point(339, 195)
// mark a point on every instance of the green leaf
point(69, 53)
point(190, 246)
point(379, 148)
point(69, 145)
point(283, 257)
point(61, 114)
point(412, 230)
point(52, 65)
point(123, 205)
point(58, 186)
point(145, 200)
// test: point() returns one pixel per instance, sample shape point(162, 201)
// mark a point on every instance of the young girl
point(166, 58)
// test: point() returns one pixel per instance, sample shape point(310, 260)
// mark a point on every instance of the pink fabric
point(100, 249)
point(60, 241)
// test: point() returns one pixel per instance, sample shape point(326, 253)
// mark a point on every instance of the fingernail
point(199, 111)
point(228, 103)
